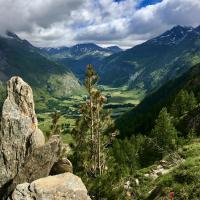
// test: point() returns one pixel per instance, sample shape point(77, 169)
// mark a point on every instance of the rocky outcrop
point(165, 166)
point(63, 165)
point(25, 158)
point(38, 164)
point(19, 133)
point(60, 187)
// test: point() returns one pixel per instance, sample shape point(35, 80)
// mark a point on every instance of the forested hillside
point(149, 65)
point(141, 119)
point(19, 57)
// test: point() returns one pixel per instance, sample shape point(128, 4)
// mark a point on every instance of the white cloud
point(25, 15)
point(66, 22)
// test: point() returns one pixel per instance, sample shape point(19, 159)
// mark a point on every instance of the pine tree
point(90, 133)
point(164, 131)
point(192, 101)
point(183, 103)
point(55, 128)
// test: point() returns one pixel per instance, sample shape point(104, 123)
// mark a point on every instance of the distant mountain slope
point(149, 65)
point(19, 58)
point(114, 49)
point(78, 56)
point(141, 119)
point(80, 50)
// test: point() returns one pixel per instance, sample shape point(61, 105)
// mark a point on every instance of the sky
point(126, 23)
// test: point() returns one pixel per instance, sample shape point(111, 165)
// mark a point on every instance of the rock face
point(25, 158)
point(19, 133)
point(60, 187)
point(38, 164)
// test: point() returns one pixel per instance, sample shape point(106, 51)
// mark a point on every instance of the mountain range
point(149, 65)
point(19, 58)
point(78, 56)
point(145, 67)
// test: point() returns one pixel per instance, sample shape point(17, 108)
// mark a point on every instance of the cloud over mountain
point(65, 22)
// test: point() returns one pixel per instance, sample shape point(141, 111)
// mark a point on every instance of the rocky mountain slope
point(81, 50)
point(149, 65)
point(26, 157)
point(19, 57)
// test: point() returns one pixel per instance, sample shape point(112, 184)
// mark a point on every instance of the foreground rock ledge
point(25, 158)
point(19, 134)
point(61, 187)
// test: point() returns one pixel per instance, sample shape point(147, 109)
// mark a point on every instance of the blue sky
point(145, 3)
point(125, 23)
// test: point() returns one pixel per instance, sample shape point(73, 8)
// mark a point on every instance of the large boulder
point(60, 187)
point(19, 134)
point(38, 164)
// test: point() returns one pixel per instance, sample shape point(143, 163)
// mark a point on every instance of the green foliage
point(164, 132)
point(125, 154)
point(92, 137)
point(55, 128)
point(149, 152)
point(191, 135)
point(183, 103)
point(141, 119)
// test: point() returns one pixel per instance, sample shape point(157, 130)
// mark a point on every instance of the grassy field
point(119, 100)
point(123, 96)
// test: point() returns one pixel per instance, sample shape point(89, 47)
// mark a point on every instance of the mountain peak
point(12, 35)
point(173, 36)
point(88, 46)
point(114, 49)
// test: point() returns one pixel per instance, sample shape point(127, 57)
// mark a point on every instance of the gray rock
point(63, 165)
point(19, 134)
point(24, 156)
point(60, 187)
point(38, 164)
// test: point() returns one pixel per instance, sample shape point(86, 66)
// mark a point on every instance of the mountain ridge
point(78, 56)
point(149, 65)
point(19, 57)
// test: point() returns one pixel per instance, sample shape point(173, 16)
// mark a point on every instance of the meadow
point(119, 100)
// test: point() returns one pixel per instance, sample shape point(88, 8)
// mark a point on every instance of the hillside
point(19, 57)
point(174, 177)
point(149, 65)
point(141, 119)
